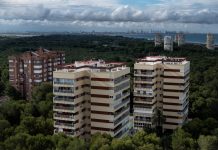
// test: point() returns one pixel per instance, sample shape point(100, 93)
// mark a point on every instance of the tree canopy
point(28, 125)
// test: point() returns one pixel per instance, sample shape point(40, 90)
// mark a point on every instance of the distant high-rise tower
point(158, 39)
point(180, 39)
point(168, 43)
point(210, 42)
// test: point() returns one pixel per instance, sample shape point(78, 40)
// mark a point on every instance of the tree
point(2, 88)
point(49, 96)
point(123, 144)
point(17, 142)
point(138, 138)
point(194, 127)
point(39, 142)
point(182, 140)
point(141, 140)
point(62, 142)
point(4, 124)
point(4, 75)
point(99, 140)
point(42, 92)
point(158, 119)
point(76, 144)
point(45, 108)
point(11, 112)
point(37, 125)
point(208, 142)
point(31, 109)
point(12, 92)
point(210, 125)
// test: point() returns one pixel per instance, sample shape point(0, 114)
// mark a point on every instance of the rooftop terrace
point(161, 59)
point(93, 65)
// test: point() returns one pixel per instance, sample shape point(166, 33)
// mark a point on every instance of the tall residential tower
point(158, 39)
point(161, 83)
point(210, 42)
point(92, 96)
point(168, 43)
point(180, 39)
point(32, 68)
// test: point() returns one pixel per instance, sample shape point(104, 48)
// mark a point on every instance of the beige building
point(161, 83)
point(180, 39)
point(210, 41)
point(90, 97)
point(158, 40)
point(168, 43)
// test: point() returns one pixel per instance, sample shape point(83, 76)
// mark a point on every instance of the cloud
point(109, 12)
point(59, 3)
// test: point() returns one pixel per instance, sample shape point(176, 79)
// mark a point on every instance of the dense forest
point(28, 125)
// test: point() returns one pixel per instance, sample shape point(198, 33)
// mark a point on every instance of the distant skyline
point(108, 15)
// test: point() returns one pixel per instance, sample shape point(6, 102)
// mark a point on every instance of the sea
point(189, 37)
point(196, 38)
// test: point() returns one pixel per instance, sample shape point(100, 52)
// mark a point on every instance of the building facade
point(91, 97)
point(158, 39)
point(32, 68)
point(161, 83)
point(168, 43)
point(180, 39)
point(210, 42)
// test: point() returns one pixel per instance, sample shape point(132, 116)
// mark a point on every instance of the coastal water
point(190, 38)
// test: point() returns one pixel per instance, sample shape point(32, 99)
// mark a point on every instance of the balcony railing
point(120, 112)
point(122, 86)
point(143, 100)
point(69, 133)
point(118, 80)
point(183, 112)
point(144, 94)
point(124, 94)
point(121, 118)
point(122, 102)
point(121, 126)
point(63, 99)
point(143, 80)
point(143, 74)
point(63, 81)
point(145, 110)
point(118, 96)
point(63, 108)
point(143, 87)
point(120, 134)
point(64, 124)
point(64, 116)
point(63, 91)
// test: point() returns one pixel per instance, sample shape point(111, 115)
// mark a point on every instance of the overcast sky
point(108, 15)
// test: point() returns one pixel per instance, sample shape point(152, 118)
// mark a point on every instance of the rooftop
point(41, 52)
point(150, 60)
point(93, 65)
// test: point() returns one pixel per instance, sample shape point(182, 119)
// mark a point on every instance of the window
point(63, 81)
point(63, 89)
point(64, 98)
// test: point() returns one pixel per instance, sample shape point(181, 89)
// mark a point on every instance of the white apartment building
point(168, 43)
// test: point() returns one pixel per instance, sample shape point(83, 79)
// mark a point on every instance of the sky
point(108, 15)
